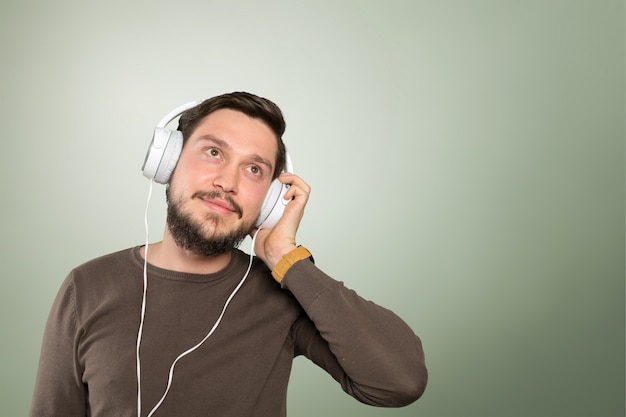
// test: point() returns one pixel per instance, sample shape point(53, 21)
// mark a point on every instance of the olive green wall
point(466, 159)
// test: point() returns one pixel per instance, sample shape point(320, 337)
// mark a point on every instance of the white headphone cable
point(217, 322)
point(143, 302)
point(143, 313)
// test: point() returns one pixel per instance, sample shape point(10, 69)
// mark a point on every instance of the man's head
point(232, 150)
point(249, 104)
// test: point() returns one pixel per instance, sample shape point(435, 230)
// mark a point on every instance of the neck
point(167, 255)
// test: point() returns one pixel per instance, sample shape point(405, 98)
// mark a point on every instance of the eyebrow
point(225, 145)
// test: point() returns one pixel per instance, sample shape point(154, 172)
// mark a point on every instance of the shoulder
point(110, 263)
point(107, 272)
point(96, 283)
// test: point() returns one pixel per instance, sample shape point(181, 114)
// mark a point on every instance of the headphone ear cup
point(165, 147)
point(163, 155)
point(272, 208)
point(169, 160)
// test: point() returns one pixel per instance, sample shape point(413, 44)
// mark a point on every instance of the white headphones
point(163, 155)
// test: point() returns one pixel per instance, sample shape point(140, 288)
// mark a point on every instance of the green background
point(466, 159)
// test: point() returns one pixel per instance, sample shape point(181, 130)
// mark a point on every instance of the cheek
point(189, 170)
point(176, 186)
point(254, 200)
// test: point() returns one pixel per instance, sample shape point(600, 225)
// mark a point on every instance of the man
point(286, 307)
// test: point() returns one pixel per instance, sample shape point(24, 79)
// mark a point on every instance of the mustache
point(210, 195)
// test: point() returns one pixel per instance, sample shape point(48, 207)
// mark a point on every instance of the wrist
point(274, 256)
point(287, 260)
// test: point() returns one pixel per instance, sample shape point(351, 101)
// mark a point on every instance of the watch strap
point(288, 260)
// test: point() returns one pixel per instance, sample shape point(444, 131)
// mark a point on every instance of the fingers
point(298, 188)
point(272, 244)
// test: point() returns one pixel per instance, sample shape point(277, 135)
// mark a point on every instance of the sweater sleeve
point(59, 390)
point(368, 349)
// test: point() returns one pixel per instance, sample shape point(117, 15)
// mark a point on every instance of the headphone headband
point(177, 112)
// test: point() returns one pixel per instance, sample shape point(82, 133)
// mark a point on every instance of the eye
point(255, 170)
point(213, 152)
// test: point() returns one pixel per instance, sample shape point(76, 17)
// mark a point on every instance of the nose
point(227, 179)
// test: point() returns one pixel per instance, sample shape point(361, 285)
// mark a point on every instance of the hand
point(271, 244)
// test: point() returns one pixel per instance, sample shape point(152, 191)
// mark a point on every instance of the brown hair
point(250, 105)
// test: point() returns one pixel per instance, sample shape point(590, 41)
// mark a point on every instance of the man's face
point(220, 182)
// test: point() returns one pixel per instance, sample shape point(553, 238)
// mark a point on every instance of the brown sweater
point(88, 368)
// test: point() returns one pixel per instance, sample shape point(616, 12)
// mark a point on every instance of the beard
point(201, 237)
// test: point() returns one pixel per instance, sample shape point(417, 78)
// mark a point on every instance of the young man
point(232, 150)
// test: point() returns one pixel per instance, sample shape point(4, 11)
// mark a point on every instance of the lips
point(219, 205)
point(218, 202)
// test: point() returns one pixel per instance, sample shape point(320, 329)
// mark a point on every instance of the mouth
point(218, 203)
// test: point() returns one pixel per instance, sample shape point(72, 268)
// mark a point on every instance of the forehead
point(240, 131)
